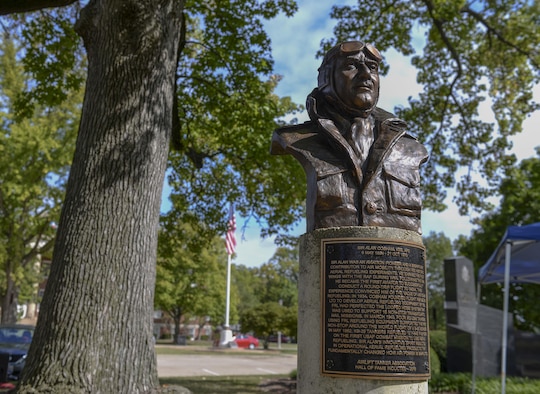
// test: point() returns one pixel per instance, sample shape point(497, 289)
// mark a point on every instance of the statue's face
point(356, 80)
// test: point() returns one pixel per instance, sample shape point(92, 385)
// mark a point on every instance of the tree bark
point(10, 299)
point(94, 332)
point(177, 317)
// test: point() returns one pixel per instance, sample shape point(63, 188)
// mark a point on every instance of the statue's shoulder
point(392, 123)
point(287, 136)
point(382, 115)
point(301, 128)
point(389, 119)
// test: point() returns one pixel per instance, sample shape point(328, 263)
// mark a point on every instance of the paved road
point(224, 365)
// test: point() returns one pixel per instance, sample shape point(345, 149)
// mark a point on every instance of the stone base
point(310, 352)
point(226, 338)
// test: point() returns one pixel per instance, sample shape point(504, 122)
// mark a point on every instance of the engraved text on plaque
point(374, 309)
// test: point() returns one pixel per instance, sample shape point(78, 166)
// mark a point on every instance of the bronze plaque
point(374, 318)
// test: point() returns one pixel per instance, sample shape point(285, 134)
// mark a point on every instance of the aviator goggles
point(352, 47)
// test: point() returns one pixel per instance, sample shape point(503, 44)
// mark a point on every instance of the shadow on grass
point(247, 384)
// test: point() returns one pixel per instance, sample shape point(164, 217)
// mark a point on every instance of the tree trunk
point(177, 317)
point(10, 300)
point(94, 332)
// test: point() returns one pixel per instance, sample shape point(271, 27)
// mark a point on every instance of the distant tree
point(35, 152)
point(519, 205)
point(438, 248)
point(247, 285)
point(279, 277)
point(475, 54)
point(276, 291)
point(268, 318)
point(190, 277)
point(460, 242)
point(289, 322)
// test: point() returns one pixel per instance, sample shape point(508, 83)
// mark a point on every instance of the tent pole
point(508, 252)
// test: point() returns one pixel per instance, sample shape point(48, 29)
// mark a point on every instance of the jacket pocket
point(403, 189)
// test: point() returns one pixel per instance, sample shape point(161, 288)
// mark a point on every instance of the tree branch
point(18, 6)
point(453, 52)
point(479, 18)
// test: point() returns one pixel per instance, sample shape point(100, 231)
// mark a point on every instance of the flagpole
point(226, 337)
point(228, 299)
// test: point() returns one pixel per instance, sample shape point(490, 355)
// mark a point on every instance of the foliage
point(35, 153)
point(294, 374)
point(279, 277)
point(437, 341)
point(226, 107)
point(52, 57)
point(520, 205)
point(227, 112)
point(450, 383)
point(476, 54)
point(461, 383)
point(434, 362)
point(438, 248)
point(189, 278)
point(247, 285)
point(269, 301)
point(265, 319)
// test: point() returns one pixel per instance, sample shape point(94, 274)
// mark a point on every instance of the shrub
point(437, 339)
point(461, 383)
point(450, 383)
point(435, 364)
point(293, 374)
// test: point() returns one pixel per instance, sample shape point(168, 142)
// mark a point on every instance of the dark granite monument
point(479, 326)
point(469, 325)
point(362, 285)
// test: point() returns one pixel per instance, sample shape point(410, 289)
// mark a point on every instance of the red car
point(246, 341)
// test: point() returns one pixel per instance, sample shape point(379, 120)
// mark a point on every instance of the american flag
point(230, 238)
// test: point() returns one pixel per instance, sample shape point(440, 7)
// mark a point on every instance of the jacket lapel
point(389, 131)
point(339, 142)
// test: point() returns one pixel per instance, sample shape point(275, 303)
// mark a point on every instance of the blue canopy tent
point(515, 260)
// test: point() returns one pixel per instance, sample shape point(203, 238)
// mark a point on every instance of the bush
point(294, 374)
point(435, 364)
point(437, 339)
point(450, 383)
point(461, 383)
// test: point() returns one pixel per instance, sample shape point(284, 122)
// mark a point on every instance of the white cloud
point(252, 251)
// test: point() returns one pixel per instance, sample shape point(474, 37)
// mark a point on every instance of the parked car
point(284, 338)
point(246, 341)
point(15, 341)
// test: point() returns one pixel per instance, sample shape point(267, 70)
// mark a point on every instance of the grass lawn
point(223, 384)
point(205, 347)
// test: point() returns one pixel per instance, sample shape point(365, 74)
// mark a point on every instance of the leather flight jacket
point(386, 194)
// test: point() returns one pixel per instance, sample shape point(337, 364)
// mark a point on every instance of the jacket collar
point(389, 130)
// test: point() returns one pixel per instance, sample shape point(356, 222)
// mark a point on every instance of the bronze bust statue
point(362, 167)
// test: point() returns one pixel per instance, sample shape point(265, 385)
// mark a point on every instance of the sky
point(295, 42)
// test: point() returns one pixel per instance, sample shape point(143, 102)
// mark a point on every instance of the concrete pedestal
point(310, 347)
point(225, 338)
